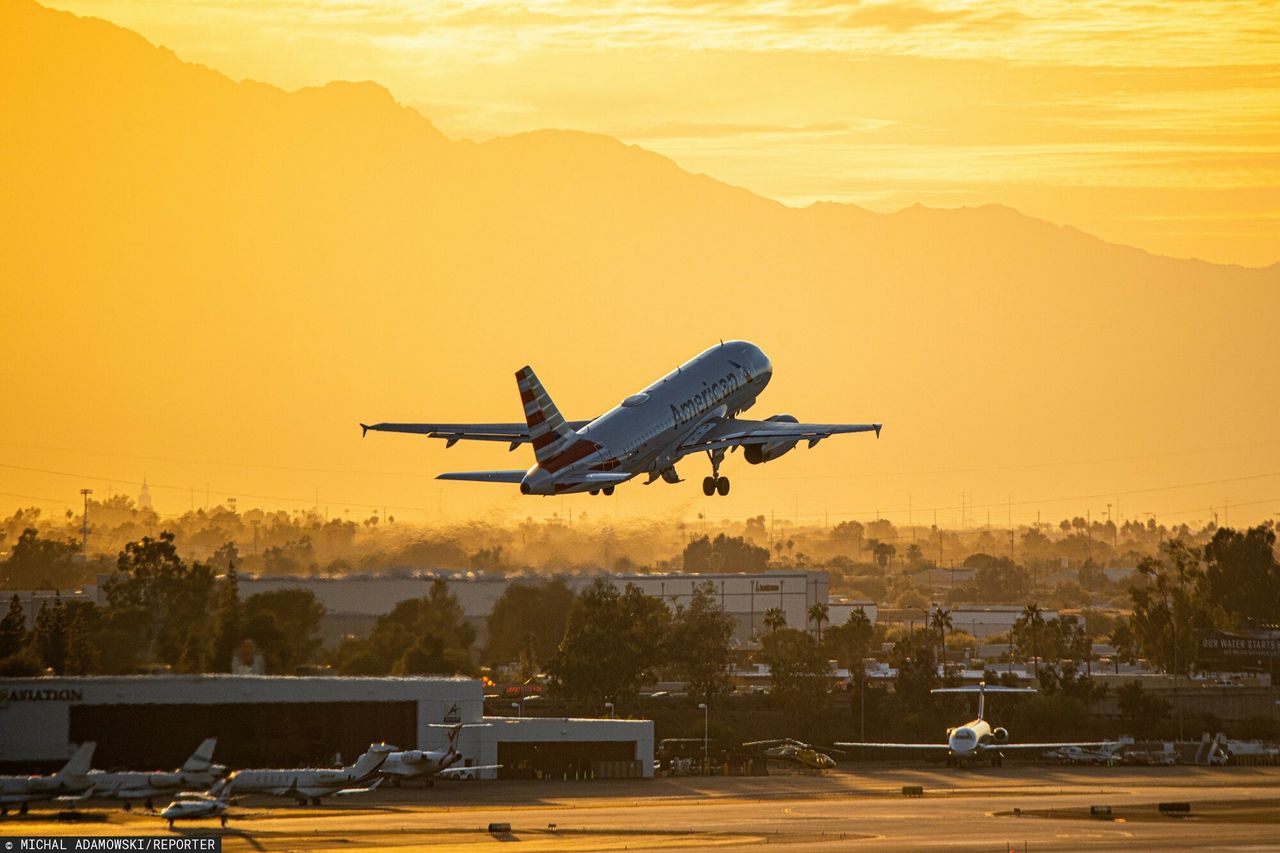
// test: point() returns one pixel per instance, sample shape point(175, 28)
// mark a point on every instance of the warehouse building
point(154, 722)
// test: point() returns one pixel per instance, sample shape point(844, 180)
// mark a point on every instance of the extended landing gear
point(223, 818)
point(128, 806)
point(715, 484)
point(151, 806)
point(315, 801)
point(608, 490)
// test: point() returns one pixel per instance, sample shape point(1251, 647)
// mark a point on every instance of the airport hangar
point(155, 721)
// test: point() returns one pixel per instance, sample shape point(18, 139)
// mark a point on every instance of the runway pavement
point(1020, 808)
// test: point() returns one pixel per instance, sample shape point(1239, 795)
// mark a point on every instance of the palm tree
point(778, 546)
point(791, 544)
point(775, 619)
point(941, 620)
point(818, 614)
point(1031, 613)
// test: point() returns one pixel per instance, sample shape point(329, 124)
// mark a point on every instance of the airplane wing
point(515, 434)
point(512, 476)
point(937, 747)
point(346, 792)
point(1043, 747)
point(462, 771)
point(735, 432)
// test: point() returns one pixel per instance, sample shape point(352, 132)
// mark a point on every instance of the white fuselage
point(644, 432)
point(293, 783)
point(144, 786)
point(964, 740)
point(31, 789)
point(194, 807)
point(416, 764)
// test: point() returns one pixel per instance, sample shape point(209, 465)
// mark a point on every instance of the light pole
point(706, 717)
point(609, 705)
point(84, 527)
point(518, 709)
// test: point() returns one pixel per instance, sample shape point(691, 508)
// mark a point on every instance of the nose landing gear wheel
point(722, 486)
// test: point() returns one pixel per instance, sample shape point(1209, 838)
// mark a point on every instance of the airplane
point(195, 806)
point(691, 410)
point(429, 765)
point(794, 752)
point(198, 772)
point(1109, 754)
point(976, 739)
point(72, 781)
point(310, 784)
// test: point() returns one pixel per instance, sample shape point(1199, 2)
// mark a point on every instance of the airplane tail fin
point(453, 737)
point(80, 761)
point(547, 430)
point(202, 759)
point(369, 763)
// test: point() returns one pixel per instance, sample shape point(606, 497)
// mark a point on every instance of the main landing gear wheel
point(715, 485)
point(608, 490)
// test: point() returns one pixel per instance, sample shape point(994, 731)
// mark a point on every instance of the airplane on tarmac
point(429, 765)
point(195, 806)
point(691, 410)
point(1109, 754)
point(976, 739)
point(809, 758)
point(309, 785)
point(198, 772)
point(72, 781)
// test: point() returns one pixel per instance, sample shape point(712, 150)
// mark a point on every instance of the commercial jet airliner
point(693, 409)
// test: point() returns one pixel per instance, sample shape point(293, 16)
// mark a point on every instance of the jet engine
point(757, 454)
point(1001, 734)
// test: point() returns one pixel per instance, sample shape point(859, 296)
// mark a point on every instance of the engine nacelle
point(757, 454)
point(1001, 734)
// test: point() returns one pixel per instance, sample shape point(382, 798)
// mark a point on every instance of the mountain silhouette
point(209, 265)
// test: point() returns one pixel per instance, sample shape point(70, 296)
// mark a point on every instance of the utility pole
point(84, 525)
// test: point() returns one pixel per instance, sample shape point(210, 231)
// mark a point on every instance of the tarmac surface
point(1023, 808)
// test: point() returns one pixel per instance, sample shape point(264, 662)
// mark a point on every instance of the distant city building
point(353, 604)
point(144, 497)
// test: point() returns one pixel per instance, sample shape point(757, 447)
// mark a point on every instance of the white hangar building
point(154, 722)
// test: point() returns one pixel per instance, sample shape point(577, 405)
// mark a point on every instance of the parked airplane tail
point(202, 758)
point(79, 762)
point(366, 765)
point(453, 737)
point(547, 430)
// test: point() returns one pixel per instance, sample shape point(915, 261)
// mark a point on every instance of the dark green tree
point(614, 644)
point(415, 622)
point(83, 657)
point(940, 621)
point(801, 676)
point(775, 619)
point(1243, 574)
point(228, 622)
point(285, 624)
point(528, 622)
point(49, 635)
point(1140, 709)
point(36, 563)
point(917, 665)
point(1171, 607)
point(698, 645)
point(155, 601)
point(13, 628)
point(724, 553)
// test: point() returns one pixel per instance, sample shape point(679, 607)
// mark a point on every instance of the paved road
point(1232, 809)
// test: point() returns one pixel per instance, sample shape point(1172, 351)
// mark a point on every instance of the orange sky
point(1154, 125)
point(212, 284)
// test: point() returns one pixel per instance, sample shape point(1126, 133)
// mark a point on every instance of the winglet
point(364, 430)
point(878, 427)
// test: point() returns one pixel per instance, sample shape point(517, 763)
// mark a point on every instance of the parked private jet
point(309, 785)
point(976, 739)
point(197, 773)
point(71, 781)
point(195, 806)
point(429, 765)
point(691, 410)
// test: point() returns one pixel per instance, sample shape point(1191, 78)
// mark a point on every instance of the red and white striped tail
point(548, 432)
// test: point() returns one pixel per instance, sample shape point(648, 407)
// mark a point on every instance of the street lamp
point(702, 706)
point(516, 707)
point(609, 705)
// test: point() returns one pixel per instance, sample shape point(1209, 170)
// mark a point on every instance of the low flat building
point(153, 722)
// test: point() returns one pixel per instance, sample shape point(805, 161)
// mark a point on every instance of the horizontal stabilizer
point(484, 476)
